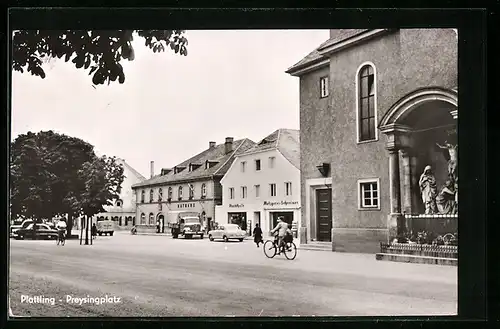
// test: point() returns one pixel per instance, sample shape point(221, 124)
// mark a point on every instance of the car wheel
point(201, 236)
point(211, 238)
point(225, 239)
point(241, 240)
point(111, 234)
point(100, 233)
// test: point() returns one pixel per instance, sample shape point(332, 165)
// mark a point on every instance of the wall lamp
point(324, 169)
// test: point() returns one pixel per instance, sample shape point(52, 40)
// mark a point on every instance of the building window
point(231, 193)
point(151, 219)
point(203, 191)
point(143, 219)
point(369, 197)
point(323, 87)
point(288, 188)
point(151, 194)
point(257, 191)
point(272, 189)
point(257, 165)
point(243, 166)
point(160, 195)
point(170, 193)
point(191, 191)
point(271, 162)
point(119, 203)
point(143, 196)
point(243, 192)
point(366, 103)
point(179, 193)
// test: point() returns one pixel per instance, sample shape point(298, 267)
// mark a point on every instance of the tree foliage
point(54, 174)
point(99, 52)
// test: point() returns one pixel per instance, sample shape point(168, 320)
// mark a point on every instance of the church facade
point(377, 107)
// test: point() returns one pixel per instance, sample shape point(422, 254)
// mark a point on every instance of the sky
point(231, 84)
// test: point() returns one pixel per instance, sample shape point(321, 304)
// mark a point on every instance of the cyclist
point(61, 228)
point(281, 228)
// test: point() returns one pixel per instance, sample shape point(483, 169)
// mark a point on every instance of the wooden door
point(324, 214)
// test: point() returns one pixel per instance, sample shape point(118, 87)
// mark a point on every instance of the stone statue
point(452, 163)
point(428, 189)
point(445, 200)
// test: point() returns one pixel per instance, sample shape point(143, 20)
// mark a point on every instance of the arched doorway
point(417, 128)
point(161, 219)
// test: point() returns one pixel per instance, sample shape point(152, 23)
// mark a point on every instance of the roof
point(216, 153)
point(286, 141)
point(336, 36)
point(135, 172)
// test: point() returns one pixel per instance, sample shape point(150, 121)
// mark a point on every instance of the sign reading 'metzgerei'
point(280, 203)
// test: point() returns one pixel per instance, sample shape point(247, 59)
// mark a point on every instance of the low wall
point(358, 240)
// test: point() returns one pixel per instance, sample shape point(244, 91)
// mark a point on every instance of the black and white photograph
point(234, 172)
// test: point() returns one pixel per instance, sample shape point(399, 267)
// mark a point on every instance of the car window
point(30, 226)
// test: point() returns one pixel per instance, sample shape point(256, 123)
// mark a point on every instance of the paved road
point(159, 276)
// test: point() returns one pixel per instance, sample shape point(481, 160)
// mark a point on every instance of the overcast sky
point(231, 84)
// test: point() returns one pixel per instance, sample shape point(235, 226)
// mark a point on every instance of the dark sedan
point(43, 231)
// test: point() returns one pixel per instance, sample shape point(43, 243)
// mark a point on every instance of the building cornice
point(308, 67)
point(172, 183)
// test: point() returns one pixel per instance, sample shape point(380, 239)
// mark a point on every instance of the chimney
point(152, 169)
point(228, 146)
point(211, 145)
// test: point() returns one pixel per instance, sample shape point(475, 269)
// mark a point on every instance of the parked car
point(227, 232)
point(24, 224)
point(43, 231)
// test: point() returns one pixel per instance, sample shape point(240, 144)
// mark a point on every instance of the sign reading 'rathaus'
point(280, 203)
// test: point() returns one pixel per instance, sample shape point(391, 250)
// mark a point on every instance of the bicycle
point(61, 239)
point(289, 248)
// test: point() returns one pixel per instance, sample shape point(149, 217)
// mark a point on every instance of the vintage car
point(43, 231)
point(227, 232)
point(24, 224)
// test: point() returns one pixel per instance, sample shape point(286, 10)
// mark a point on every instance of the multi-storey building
point(193, 185)
point(264, 183)
point(374, 104)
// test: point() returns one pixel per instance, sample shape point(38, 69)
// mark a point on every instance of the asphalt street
point(160, 276)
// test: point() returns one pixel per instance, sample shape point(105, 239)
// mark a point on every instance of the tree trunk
point(69, 225)
point(86, 230)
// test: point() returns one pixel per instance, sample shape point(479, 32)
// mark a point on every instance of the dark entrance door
point(324, 214)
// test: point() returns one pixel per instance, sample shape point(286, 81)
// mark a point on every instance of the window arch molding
point(359, 140)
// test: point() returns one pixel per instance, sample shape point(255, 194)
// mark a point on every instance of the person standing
point(257, 235)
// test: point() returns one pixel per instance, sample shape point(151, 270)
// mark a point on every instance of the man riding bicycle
point(61, 228)
point(282, 229)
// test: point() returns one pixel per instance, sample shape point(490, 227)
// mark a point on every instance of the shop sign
point(186, 205)
point(238, 205)
point(282, 203)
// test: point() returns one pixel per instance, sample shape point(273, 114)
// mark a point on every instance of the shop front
point(289, 210)
point(238, 218)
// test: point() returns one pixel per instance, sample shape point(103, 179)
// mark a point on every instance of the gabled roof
point(132, 170)
point(315, 56)
point(286, 141)
point(216, 153)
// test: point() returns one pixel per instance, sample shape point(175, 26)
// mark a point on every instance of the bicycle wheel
point(63, 241)
point(58, 240)
point(290, 251)
point(269, 249)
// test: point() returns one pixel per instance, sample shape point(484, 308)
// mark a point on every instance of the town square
point(165, 178)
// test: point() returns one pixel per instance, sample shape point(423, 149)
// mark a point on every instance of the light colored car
point(43, 231)
point(227, 232)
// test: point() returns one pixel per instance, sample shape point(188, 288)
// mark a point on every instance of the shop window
point(203, 191)
point(257, 165)
point(257, 191)
point(288, 188)
point(272, 189)
point(369, 197)
point(231, 193)
point(143, 219)
point(366, 103)
point(323, 87)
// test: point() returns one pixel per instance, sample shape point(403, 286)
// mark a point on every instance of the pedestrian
point(94, 231)
point(257, 235)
